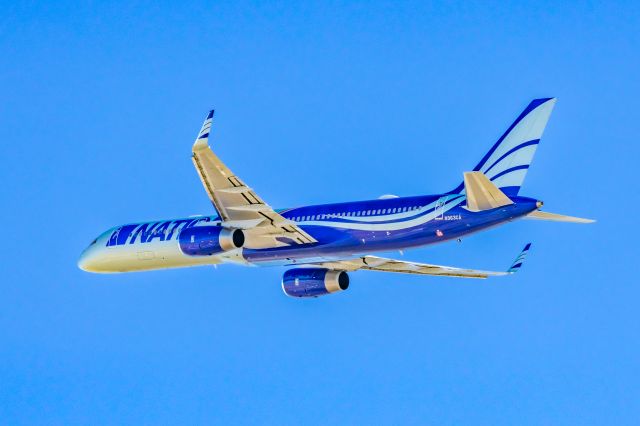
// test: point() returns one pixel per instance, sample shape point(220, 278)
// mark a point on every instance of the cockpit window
point(93, 242)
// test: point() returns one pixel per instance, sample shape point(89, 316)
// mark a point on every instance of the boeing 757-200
point(323, 243)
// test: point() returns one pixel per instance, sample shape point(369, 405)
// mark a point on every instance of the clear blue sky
point(316, 102)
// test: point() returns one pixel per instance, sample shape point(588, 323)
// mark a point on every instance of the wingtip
point(202, 141)
point(517, 264)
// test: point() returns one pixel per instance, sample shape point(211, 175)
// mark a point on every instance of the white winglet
point(202, 141)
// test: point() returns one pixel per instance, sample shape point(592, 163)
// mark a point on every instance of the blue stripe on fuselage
point(334, 242)
point(347, 229)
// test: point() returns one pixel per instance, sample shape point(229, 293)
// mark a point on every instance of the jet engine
point(209, 240)
point(313, 282)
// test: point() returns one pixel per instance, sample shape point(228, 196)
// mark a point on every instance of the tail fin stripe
point(516, 159)
point(533, 105)
point(515, 148)
point(511, 151)
point(512, 169)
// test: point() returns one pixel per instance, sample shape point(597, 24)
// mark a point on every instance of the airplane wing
point(374, 263)
point(237, 204)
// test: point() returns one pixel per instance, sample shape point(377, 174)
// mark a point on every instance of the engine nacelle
point(209, 240)
point(313, 282)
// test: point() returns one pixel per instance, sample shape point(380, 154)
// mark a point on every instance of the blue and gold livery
point(325, 242)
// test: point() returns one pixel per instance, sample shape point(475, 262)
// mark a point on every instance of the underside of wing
point(374, 263)
point(237, 204)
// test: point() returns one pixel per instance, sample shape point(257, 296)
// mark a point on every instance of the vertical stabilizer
point(507, 162)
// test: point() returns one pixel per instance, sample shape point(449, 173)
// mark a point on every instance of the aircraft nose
point(88, 260)
point(84, 263)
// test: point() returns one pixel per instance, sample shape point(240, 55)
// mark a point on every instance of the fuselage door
point(439, 210)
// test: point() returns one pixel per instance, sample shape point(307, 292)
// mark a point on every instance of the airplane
point(322, 244)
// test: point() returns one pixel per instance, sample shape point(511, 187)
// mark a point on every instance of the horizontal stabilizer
point(538, 215)
point(482, 194)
